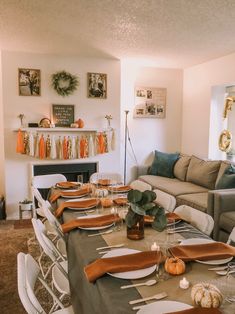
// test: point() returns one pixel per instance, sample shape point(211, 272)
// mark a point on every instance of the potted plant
point(26, 204)
point(141, 204)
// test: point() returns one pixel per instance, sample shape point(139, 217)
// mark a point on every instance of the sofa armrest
point(220, 201)
point(142, 170)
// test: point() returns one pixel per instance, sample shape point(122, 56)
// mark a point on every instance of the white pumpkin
point(206, 295)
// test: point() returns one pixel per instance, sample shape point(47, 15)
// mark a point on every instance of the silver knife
point(218, 268)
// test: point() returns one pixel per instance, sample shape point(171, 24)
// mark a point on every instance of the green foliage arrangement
point(64, 83)
point(141, 203)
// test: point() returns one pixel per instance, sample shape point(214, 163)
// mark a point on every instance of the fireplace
point(72, 171)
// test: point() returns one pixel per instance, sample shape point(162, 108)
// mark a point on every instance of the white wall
point(2, 168)
point(92, 111)
point(197, 95)
point(149, 134)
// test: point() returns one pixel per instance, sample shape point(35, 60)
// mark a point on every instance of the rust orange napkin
point(81, 204)
point(90, 222)
point(172, 216)
point(67, 185)
point(104, 182)
point(58, 194)
point(123, 188)
point(122, 263)
point(120, 201)
point(198, 310)
point(204, 252)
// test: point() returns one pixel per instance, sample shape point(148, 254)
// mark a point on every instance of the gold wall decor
point(225, 141)
point(228, 106)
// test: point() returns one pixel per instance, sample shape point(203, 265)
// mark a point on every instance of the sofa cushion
point(172, 186)
point(227, 221)
point(203, 172)
point(163, 164)
point(224, 164)
point(195, 200)
point(181, 167)
point(227, 180)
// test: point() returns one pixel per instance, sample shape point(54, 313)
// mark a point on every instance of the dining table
point(105, 294)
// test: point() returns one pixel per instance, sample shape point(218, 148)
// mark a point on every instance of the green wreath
point(64, 83)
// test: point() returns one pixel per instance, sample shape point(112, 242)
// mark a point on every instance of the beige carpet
point(14, 238)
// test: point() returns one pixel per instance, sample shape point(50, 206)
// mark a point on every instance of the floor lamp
point(126, 131)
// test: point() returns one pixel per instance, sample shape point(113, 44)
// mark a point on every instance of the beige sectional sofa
point(193, 184)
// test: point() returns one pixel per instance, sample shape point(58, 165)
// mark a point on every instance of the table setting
point(104, 260)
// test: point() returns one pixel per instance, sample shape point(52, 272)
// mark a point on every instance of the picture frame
point(150, 102)
point(29, 82)
point(62, 115)
point(96, 85)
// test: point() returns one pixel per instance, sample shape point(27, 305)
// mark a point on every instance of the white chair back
point(231, 237)
point(140, 185)
point(22, 291)
point(165, 200)
point(47, 181)
point(52, 219)
point(105, 175)
point(196, 218)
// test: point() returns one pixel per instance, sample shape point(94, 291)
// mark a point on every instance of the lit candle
point(184, 284)
point(155, 247)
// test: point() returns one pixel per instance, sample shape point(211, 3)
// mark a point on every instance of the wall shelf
point(64, 130)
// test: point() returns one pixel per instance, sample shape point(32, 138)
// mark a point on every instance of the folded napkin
point(58, 194)
point(172, 217)
point(204, 252)
point(122, 263)
point(123, 188)
point(104, 182)
point(67, 184)
point(100, 221)
point(197, 310)
point(76, 204)
point(120, 201)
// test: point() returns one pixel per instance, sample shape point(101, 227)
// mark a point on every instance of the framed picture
point(29, 82)
point(150, 102)
point(97, 85)
point(62, 115)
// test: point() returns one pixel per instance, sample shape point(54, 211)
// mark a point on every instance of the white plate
point(204, 241)
point(74, 196)
point(78, 184)
point(134, 274)
point(80, 200)
point(161, 307)
point(93, 228)
point(118, 191)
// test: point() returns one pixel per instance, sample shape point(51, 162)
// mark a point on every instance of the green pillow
point(163, 164)
point(227, 180)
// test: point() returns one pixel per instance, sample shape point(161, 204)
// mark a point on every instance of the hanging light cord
point(132, 149)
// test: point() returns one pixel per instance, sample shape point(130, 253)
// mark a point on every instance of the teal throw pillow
point(227, 180)
point(163, 164)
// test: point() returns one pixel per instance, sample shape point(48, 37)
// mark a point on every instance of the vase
point(136, 232)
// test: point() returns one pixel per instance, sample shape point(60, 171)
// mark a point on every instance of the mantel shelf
point(57, 129)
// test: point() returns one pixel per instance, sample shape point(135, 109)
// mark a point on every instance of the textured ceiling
point(168, 33)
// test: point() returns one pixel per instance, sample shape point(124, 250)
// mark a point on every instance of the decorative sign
point(150, 102)
point(63, 115)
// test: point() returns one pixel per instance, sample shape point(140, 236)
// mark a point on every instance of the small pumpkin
point(80, 123)
point(106, 202)
point(174, 266)
point(206, 295)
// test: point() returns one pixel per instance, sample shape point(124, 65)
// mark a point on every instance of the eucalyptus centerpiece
point(141, 204)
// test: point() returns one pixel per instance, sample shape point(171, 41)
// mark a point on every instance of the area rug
point(18, 237)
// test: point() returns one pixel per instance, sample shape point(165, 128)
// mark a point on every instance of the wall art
point(150, 102)
point(97, 85)
point(29, 81)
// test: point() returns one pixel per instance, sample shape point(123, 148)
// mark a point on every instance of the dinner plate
point(78, 184)
point(173, 223)
point(161, 307)
point(74, 196)
point(119, 190)
point(93, 228)
point(204, 241)
point(134, 274)
point(80, 200)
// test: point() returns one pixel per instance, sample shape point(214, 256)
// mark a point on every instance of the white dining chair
point(140, 185)
point(105, 175)
point(165, 200)
point(196, 218)
point(44, 182)
point(231, 237)
point(28, 272)
point(60, 276)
